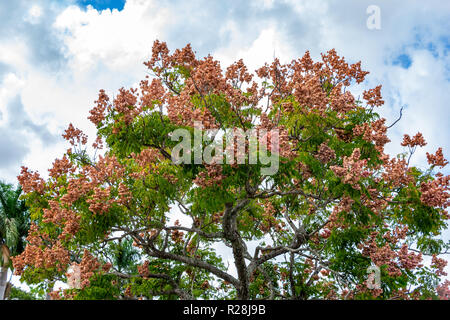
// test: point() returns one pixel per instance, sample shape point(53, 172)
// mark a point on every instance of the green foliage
point(14, 218)
point(19, 294)
point(101, 288)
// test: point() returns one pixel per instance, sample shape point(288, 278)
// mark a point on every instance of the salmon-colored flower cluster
point(277, 142)
point(309, 93)
point(383, 255)
point(211, 176)
point(153, 93)
point(88, 266)
point(409, 260)
point(386, 255)
point(374, 201)
point(417, 140)
point(66, 219)
point(90, 184)
point(286, 148)
point(344, 205)
point(439, 264)
point(325, 154)
point(436, 192)
point(238, 73)
point(74, 135)
point(98, 143)
point(161, 60)
point(98, 112)
point(40, 253)
point(396, 172)
point(342, 103)
point(106, 169)
point(143, 269)
point(61, 167)
point(99, 203)
point(74, 277)
point(367, 287)
point(352, 170)
point(443, 290)
point(76, 188)
point(31, 181)
point(373, 96)
point(125, 104)
point(340, 69)
point(181, 111)
point(373, 132)
point(437, 159)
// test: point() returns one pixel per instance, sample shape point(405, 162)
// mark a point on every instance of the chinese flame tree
point(337, 205)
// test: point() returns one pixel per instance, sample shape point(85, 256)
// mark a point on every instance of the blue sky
point(56, 55)
point(103, 4)
point(403, 60)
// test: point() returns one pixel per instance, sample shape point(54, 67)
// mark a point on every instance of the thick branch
point(231, 234)
point(195, 263)
point(176, 289)
point(202, 233)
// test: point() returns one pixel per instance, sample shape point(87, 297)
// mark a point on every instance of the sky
point(56, 55)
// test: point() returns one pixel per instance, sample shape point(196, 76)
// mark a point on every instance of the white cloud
point(34, 14)
point(424, 89)
point(116, 39)
point(10, 87)
point(270, 43)
point(14, 53)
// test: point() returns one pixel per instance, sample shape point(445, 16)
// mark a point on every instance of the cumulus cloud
point(118, 40)
point(30, 23)
point(17, 136)
point(27, 42)
point(3, 69)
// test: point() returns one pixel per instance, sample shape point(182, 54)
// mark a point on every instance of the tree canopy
point(14, 218)
point(336, 207)
point(14, 224)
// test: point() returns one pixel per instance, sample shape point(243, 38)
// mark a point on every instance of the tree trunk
point(3, 281)
point(50, 289)
point(4, 271)
point(8, 290)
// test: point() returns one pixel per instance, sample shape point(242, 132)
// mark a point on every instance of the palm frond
point(14, 218)
point(11, 233)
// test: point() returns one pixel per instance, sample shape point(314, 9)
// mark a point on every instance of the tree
point(334, 206)
point(14, 223)
point(123, 255)
point(20, 294)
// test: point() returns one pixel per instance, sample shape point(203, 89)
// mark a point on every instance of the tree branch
point(231, 234)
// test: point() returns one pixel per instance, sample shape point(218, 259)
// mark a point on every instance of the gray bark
point(3, 281)
point(231, 233)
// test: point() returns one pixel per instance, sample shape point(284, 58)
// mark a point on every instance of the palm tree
point(14, 225)
point(124, 255)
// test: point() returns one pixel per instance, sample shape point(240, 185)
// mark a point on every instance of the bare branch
point(401, 109)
